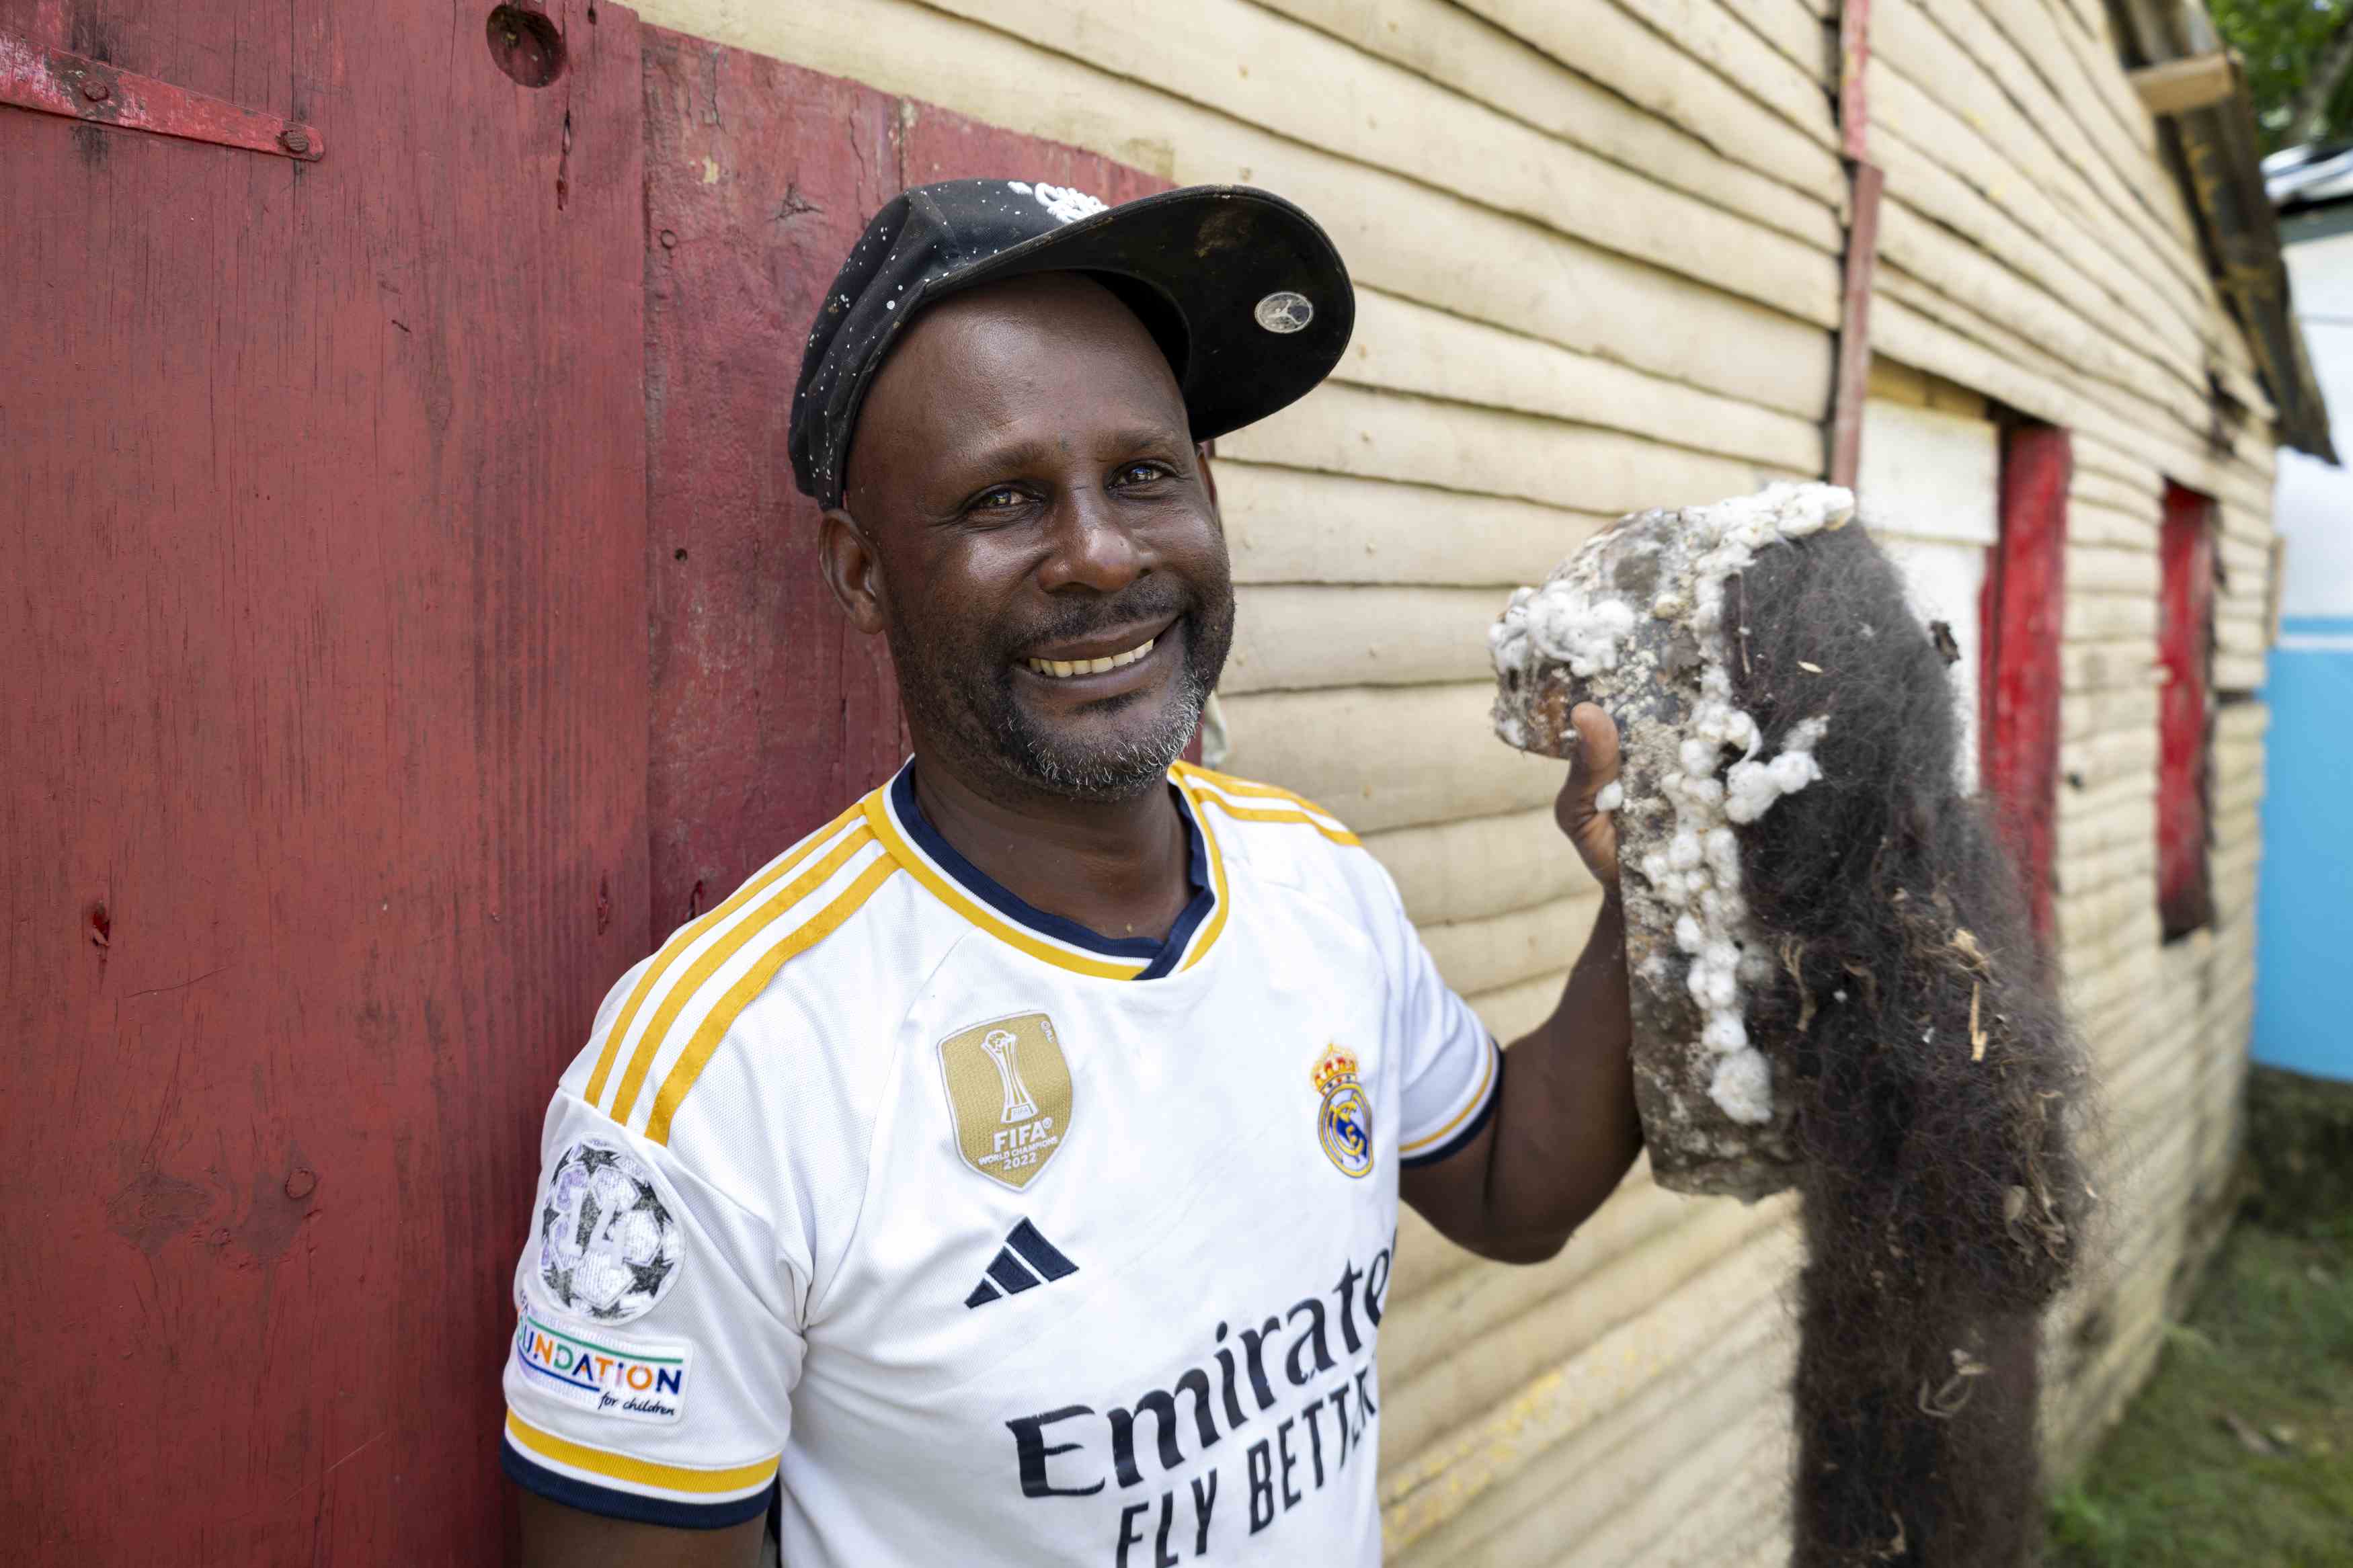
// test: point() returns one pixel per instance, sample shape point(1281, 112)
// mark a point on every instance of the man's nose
point(1091, 546)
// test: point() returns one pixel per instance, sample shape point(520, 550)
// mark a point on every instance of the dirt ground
point(2240, 1451)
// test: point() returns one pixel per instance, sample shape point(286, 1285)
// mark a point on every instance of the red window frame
point(2020, 614)
point(2185, 653)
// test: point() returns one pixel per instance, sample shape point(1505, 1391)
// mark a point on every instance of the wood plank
point(1708, 33)
point(1722, 1359)
point(1421, 1332)
point(1401, 346)
point(1751, 1478)
point(2108, 713)
point(2094, 569)
point(2084, 869)
point(2239, 672)
point(327, 728)
point(2193, 82)
point(2094, 523)
point(1389, 756)
point(1798, 31)
point(2106, 616)
point(1610, 46)
point(1314, 89)
point(2100, 456)
point(2103, 757)
point(1732, 1258)
point(1506, 270)
point(1514, 947)
point(2091, 79)
point(1295, 525)
point(1488, 451)
point(1292, 638)
point(2128, 410)
point(1907, 334)
point(1979, 74)
point(1449, 1401)
point(1942, 169)
point(1448, 44)
point(2090, 485)
point(1967, 292)
point(1722, 1458)
point(1478, 866)
point(737, 606)
point(2109, 666)
point(2132, 184)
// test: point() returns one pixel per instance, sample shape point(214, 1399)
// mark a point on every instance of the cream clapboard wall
point(2033, 247)
point(1597, 252)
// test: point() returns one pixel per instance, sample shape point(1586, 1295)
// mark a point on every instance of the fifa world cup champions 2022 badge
point(1344, 1122)
point(1009, 1089)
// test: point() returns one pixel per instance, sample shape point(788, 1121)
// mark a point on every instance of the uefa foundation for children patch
point(608, 1248)
point(633, 1382)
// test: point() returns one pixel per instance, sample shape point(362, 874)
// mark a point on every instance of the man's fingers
point(1578, 812)
point(1596, 763)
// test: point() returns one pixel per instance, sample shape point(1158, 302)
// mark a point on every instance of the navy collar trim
point(1160, 957)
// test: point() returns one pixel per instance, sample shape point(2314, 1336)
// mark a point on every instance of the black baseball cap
point(1242, 291)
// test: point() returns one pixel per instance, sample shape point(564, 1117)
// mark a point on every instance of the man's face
point(1026, 480)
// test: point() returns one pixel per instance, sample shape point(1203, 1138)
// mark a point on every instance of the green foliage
point(2280, 40)
point(2240, 1449)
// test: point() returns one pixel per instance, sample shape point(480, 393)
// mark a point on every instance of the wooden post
point(1853, 372)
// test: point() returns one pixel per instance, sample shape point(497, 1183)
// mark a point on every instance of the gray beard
point(1110, 773)
point(987, 722)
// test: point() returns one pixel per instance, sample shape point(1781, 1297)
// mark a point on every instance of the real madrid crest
point(1344, 1122)
point(1010, 1091)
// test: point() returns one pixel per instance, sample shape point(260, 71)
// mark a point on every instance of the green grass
point(2269, 1345)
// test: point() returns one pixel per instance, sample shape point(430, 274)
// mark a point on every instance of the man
point(1008, 1171)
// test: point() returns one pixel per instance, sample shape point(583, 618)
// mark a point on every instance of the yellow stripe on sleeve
point(715, 1026)
point(689, 934)
point(642, 1472)
point(649, 1044)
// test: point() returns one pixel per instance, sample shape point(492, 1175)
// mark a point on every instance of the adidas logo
point(1010, 1271)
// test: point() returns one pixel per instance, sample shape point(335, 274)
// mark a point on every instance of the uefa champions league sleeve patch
point(609, 1249)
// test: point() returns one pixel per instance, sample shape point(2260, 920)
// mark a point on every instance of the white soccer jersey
point(980, 1238)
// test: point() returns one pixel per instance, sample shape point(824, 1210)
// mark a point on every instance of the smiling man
point(1009, 1169)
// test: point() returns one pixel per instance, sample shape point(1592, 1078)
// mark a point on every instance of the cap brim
point(1216, 254)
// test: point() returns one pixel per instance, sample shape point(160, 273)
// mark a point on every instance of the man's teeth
point(1059, 669)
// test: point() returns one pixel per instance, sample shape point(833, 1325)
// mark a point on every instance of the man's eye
point(1003, 499)
point(1141, 473)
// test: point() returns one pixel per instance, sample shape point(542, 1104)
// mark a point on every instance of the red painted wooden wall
point(2019, 674)
point(2184, 645)
point(408, 607)
point(770, 711)
point(325, 714)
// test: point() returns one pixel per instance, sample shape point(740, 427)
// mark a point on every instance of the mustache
point(1152, 599)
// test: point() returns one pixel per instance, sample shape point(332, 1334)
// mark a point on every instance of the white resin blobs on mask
point(1697, 770)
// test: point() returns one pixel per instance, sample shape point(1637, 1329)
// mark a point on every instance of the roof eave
point(2215, 160)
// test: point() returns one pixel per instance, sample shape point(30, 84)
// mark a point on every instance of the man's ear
point(852, 569)
point(1204, 451)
